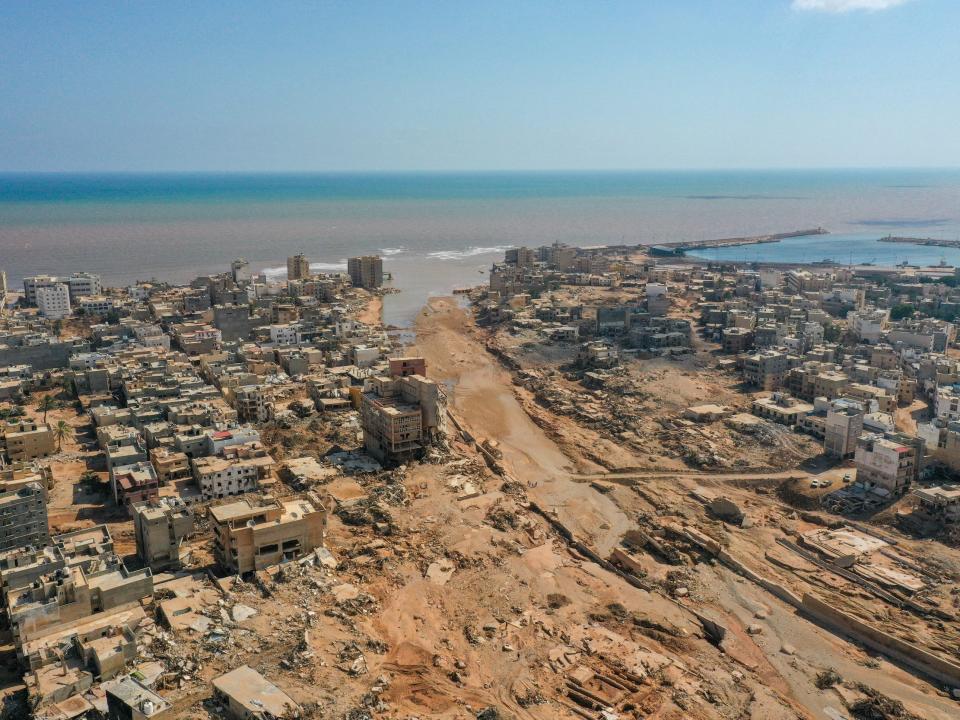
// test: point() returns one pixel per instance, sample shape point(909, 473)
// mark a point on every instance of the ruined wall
point(910, 655)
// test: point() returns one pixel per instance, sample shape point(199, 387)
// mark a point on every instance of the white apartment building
point(80, 284)
point(867, 325)
point(83, 284)
point(219, 477)
point(151, 336)
point(285, 334)
point(35, 282)
point(946, 405)
point(96, 304)
point(54, 301)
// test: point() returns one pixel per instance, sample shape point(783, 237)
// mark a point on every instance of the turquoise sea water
point(844, 249)
point(441, 230)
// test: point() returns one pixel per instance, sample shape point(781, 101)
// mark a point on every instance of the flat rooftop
point(254, 692)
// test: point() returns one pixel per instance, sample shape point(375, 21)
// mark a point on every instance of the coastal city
point(617, 481)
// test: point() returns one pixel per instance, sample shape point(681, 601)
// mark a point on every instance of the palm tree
point(46, 404)
point(62, 431)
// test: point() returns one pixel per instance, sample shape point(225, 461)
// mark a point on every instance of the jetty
point(938, 242)
point(682, 247)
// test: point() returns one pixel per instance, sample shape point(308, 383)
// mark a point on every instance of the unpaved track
point(482, 398)
point(481, 395)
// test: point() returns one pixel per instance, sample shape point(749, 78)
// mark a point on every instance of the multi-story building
point(403, 366)
point(76, 576)
point(890, 461)
point(240, 270)
point(83, 284)
point(97, 305)
point(27, 440)
point(54, 301)
point(766, 369)
point(286, 334)
point(946, 404)
point(844, 424)
point(399, 415)
point(170, 465)
point(23, 517)
point(737, 340)
point(251, 403)
point(160, 526)
point(35, 282)
point(366, 271)
point(298, 267)
point(800, 281)
point(522, 256)
point(79, 284)
point(942, 441)
point(219, 477)
point(134, 483)
point(940, 505)
point(254, 533)
point(781, 408)
point(867, 325)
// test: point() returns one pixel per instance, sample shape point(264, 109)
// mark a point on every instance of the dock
point(680, 248)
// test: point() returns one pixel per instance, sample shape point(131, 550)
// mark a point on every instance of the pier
point(936, 242)
point(680, 248)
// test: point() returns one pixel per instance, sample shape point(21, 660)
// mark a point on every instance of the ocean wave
point(392, 251)
point(280, 271)
point(468, 252)
point(339, 266)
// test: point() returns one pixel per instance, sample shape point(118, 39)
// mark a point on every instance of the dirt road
point(481, 394)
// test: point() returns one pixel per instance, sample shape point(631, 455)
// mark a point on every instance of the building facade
point(366, 271)
point(254, 533)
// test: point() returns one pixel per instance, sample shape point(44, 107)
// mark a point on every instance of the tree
point(898, 312)
point(62, 431)
point(46, 404)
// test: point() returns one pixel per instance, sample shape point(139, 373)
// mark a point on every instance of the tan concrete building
point(170, 465)
point(254, 533)
point(298, 267)
point(765, 369)
point(76, 576)
point(844, 424)
point(27, 440)
point(248, 695)
point(160, 526)
point(781, 408)
point(400, 415)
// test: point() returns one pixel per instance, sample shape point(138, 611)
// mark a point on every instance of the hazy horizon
point(531, 86)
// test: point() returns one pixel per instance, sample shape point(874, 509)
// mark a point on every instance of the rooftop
point(254, 692)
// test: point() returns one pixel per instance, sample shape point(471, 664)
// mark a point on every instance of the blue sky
point(524, 84)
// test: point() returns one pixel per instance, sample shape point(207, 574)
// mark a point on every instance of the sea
point(441, 231)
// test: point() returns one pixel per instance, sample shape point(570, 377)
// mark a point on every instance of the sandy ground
point(372, 313)
point(482, 395)
point(485, 402)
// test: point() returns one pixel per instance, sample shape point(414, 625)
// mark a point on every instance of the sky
point(357, 85)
